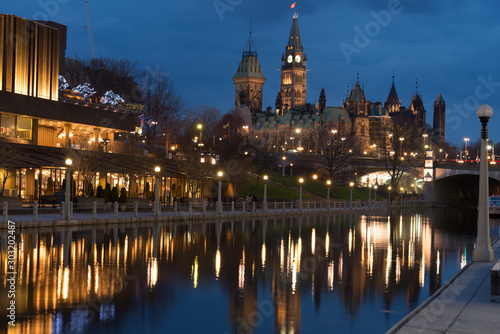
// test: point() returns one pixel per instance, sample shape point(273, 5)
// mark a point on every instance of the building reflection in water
point(74, 280)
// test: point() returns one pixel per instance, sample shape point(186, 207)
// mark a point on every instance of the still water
point(317, 274)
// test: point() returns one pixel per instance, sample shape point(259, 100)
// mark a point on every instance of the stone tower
point(294, 70)
point(439, 120)
point(392, 104)
point(249, 78)
point(418, 110)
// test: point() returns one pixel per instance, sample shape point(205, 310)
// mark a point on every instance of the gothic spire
point(294, 39)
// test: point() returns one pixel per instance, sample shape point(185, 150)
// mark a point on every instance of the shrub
point(99, 192)
point(114, 194)
point(123, 196)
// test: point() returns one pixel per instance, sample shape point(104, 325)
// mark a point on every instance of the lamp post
point(284, 159)
point(67, 199)
point(375, 187)
point(369, 194)
point(401, 196)
point(301, 180)
point(291, 165)
point(315, 177)
point(157, 210)
point(265, 193)
point(466, 152)
point(483, 251)
point(328, 183)
point(389, 188)
point(351, 184)
point(219, 197)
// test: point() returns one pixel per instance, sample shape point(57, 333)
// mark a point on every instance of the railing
point(95, 210)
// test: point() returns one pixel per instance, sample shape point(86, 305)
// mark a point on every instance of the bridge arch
point(461, 189)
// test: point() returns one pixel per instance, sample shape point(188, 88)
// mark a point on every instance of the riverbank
point(462, 305)
point(191, 212)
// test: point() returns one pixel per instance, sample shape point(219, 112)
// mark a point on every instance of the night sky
point(451, 46)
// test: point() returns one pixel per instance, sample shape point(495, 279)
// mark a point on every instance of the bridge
point(453, 182)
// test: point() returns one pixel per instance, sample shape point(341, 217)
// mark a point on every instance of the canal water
point(316, 274)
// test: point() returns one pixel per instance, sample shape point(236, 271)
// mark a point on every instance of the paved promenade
point(461, 306)
point(25, 218)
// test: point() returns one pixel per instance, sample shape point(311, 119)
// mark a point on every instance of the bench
point(495, 283)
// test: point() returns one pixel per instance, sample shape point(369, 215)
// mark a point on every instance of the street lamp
point(328, 183)
point(466, 139)
point(291, 165)
point(315, 177)
point(265, 193)
point(483, 251)
point(219, 198)
point(351, 184)
point(389, 188)
point(369, 194)
point(401, 196)
point(425, 135)
point(301, 180)
point(156, 208)
point(375, 187)
point(284, 159)
point(68, 162)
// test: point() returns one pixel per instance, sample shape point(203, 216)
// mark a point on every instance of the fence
point(95, 210)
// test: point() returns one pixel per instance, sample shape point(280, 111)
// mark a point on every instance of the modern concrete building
point(40, 129)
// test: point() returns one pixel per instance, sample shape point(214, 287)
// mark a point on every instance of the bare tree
point(9, 156)
point(208, 117)
point(162, 104)
point(86, 161)
point(337, 150)
point(401, 150)
point(105, 74)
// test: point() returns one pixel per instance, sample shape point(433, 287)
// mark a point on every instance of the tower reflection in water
point(268, 272)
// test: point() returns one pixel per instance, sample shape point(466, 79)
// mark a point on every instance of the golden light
point(328, 182)
point(401, 189)
point(300, 148)
point(172, 147)
point(301, 180)
point(199, 126)
point(297, 130)
point(219, 174)
point(351, 184)
point(69, 162)
point(284, 158)
point(265, 177)
point(315, 177)
point(157, 169)
point(389, 188)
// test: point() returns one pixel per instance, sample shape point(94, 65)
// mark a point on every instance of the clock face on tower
point(290, 58)
point(297, 59)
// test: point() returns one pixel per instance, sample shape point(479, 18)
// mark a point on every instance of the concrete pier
point(462, 305)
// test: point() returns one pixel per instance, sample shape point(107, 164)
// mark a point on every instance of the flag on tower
point(293, 5)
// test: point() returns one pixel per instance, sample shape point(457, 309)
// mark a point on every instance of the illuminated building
point(34, 119)
point(357, 115)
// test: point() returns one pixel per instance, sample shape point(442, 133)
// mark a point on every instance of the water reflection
point(280, 275)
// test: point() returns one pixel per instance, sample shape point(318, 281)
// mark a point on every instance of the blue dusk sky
point(450, 46)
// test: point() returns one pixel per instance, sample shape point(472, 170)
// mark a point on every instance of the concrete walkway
point(462, 305)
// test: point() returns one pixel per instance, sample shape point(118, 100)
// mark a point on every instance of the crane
point(89, 23)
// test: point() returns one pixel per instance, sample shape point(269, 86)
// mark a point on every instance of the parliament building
point(293, 123)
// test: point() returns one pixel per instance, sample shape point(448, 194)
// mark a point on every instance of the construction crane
point(89, 23)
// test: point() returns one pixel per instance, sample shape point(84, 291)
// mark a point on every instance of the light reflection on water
point(338, 273)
